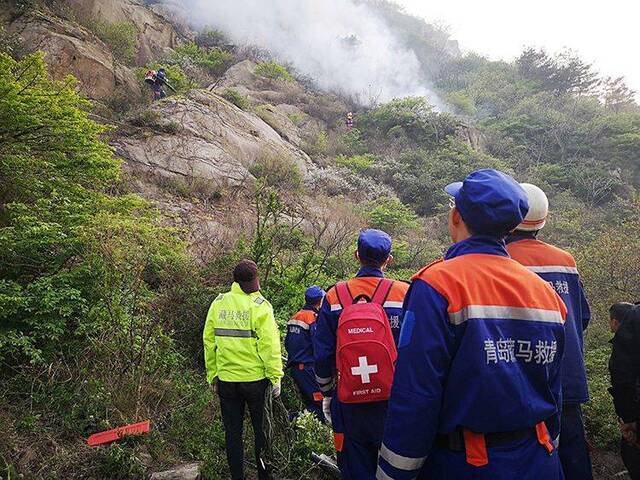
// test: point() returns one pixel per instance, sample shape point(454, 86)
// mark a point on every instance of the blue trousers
point(522, 460)
point(361, 426)
point(573, 450)
point(306, 381)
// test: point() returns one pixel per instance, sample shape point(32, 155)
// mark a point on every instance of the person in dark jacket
point(298, 342)
point(624, 367)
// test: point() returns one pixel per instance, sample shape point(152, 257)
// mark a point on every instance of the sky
point(605, 33)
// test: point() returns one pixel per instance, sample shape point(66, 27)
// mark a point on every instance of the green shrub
point(391, 215)
point(120, 37)
point(601, 423)
point(120, 462)
point(357, 163)
point(351, 143)
point(232, 95)
point(121, 101)
point(21, 6)
point(192, 188)
point(297, 118)
point(278, 172)
point(316, 145)
point(309, 436)
point(213, 59)
point(8, 43)
point(273, 71)
point(462, 104)
point(210, 38)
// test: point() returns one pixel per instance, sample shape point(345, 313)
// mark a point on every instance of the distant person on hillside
point(558, 268)
point(349, 122)
point(298, 342)
point(477, 386)
point(157, 80)
point(624, 367)
point(242, 354)
point(355, 348)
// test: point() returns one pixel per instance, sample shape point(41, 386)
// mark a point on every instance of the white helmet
point(538, 209)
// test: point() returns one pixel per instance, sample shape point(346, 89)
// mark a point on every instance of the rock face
point(185, 472)
point(156, 34)
point(472, 136)
point(213, 140)
point(286, 106)
point(71, 49)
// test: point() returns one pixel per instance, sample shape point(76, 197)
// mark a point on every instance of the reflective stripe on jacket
point(558, 268)
point(241, 339)
point(480, 348)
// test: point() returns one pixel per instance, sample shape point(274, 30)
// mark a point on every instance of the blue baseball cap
point(313, 293)
point(490, 202)
point(374, 245)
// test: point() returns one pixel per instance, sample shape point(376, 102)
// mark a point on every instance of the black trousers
point(234, 397)
point(631, 458)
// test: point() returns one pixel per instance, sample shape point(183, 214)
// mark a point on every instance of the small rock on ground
point(190, 471)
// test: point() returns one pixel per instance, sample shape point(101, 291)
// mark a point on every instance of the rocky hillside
point(198, 136)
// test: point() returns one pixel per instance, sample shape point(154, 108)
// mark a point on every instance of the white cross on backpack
point(364, 369)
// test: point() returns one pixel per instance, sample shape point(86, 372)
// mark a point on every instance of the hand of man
point(275, 390)
point(629, 432)
point(326, 409)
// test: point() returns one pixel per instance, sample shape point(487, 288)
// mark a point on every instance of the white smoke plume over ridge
point(311, 34)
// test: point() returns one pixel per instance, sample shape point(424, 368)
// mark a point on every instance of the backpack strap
point(344, 296)
point(382, 291)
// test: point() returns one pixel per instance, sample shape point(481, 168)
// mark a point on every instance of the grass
point(121, 38)
point(232, 95)
point(273, 71)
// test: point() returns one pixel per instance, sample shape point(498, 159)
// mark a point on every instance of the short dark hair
point(620, 310)
point(367, 262)
point(245, 271)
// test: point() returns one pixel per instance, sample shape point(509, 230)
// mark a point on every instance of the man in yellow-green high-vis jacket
point(242, 353)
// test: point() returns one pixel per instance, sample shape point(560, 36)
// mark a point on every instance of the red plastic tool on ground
point(109, 436)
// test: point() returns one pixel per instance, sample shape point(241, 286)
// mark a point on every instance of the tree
point(564, 73)
point(616, 95)
point(74, 260)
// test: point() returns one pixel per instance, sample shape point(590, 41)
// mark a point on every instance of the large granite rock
point(71, 49)
point(203, 135)
point(156, 35)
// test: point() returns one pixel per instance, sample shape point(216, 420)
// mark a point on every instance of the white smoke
point(313, 35)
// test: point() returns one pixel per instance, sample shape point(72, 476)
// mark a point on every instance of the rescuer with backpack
point(157, 80)
point(355, 352)
point(558, 268)
point(477, 386)
point(298, 342)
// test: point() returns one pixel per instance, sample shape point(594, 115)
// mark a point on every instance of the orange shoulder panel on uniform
point(532, 252)
point(398, 291)
point(490, 280)
point(367, 286)
point(432, 264)
point(306, 316)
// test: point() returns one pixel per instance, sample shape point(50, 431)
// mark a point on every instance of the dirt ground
point(608, 466)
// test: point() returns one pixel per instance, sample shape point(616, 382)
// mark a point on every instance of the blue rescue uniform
point(479, 361)
point(357, 428)
point(558, 268)
point(299, 345)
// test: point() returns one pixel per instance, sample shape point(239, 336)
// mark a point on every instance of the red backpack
point(365, 350)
